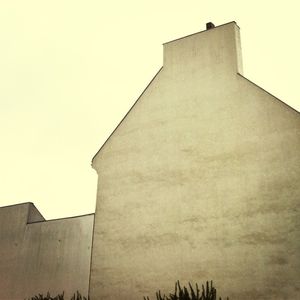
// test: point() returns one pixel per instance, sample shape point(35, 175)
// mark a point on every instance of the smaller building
point(37, 256)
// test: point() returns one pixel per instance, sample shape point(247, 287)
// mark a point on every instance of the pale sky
point(70, 70)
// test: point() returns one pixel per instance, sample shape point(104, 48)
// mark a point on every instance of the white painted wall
point(200, 182)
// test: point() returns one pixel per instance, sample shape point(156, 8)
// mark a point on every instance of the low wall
point(37, 256)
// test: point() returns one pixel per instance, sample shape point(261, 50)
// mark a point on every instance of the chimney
point(210, 25)
point(207, 52)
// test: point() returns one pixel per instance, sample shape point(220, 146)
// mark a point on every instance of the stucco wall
point(37, 256)
point(200, 182)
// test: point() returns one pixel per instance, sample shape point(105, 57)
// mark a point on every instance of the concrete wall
point(37, 256)
point(200, 182)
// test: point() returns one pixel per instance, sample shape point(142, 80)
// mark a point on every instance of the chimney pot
point(209, 25)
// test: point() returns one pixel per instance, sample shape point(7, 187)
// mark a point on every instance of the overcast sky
point(70, 70)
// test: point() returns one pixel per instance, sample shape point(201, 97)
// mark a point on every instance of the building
point(200, 181)
point(37, 256)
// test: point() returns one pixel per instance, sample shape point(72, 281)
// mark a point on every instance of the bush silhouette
point(208, 293)
point(76, 296)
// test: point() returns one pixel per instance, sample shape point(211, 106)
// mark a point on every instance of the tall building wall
point(200, 182)
point(37, 256)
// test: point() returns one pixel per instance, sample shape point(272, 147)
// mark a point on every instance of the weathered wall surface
point(200, 182)
point(12, 220)
point(38, 256)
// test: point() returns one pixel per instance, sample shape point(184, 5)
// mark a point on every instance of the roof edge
point(10, 205)
point(290, 107)
point(58, 219)
point(93, 159)
point(202, 31)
